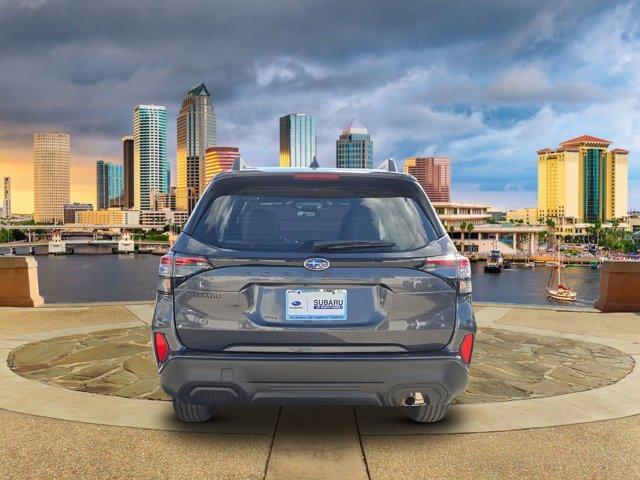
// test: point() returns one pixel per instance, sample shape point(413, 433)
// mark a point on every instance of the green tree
point(463, 228)
point(470, 228)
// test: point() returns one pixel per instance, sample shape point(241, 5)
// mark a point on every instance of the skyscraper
point(51, 158)
point(196, 131)
point(219, 159)
point(150, 165)
point(127, 162)
point(102, 185)
point(297, 140)
point(433, 174)
point(109, 185)
point(354, 148)
point(6, 205)
point(582, 181)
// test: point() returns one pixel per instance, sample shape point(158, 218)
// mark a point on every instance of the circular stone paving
point(506, 365)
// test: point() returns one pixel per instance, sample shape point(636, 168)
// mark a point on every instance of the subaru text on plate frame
point(313, 286)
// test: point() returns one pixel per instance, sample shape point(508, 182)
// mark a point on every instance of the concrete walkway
point(334, 442)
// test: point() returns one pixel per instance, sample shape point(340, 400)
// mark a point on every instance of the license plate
point(323, 305)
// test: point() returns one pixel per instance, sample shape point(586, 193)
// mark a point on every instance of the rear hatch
point(314, 263)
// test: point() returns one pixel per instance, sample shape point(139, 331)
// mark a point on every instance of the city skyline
point(487, 97)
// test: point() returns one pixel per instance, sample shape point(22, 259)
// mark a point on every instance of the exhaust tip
point(409, 400)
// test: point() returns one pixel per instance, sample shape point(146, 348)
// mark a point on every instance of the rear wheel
point(192, 413)
point(427, 413)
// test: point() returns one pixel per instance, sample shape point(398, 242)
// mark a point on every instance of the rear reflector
point(161, 347)
point(316, 176)
point(466, 348)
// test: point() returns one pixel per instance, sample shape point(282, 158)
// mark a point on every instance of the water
point(529, 286)
point(86, 277)
point(83, 278)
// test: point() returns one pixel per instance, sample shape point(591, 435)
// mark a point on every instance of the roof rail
point(314, 163)
point(388, 165)
point(238, 164)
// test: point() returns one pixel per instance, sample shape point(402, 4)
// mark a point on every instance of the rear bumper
point(290, 380)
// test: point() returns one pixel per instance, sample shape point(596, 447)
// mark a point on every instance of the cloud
point(486, 82)
point(530, 84)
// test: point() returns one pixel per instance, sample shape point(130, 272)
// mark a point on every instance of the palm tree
point(463, 228)
point(551, 225)
point(470, 228)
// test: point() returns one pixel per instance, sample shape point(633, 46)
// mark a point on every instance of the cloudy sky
point(486, 82)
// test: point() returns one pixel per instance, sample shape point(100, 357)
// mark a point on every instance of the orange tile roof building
point(583, 181)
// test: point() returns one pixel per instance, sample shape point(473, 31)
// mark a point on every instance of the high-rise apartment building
point(354, 148)
point(51, 159)
point(433, 174)
point(196, 131)
point(127, 165)
point(150, 164)
point(109, 185)
point(6, 204)
point(297, 140)
point(583, 181)
point(219, 159)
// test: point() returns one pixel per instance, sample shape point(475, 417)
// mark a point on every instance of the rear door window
point(279, 222)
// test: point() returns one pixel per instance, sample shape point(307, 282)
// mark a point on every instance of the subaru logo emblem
point(316, 264)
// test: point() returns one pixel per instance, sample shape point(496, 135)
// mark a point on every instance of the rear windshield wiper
point(322, 246)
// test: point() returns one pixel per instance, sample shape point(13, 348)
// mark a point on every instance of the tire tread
point(428, 413)
point(192, 413)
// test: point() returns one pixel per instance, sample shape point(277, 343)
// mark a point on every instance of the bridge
point(78, 227)
point(59, 246)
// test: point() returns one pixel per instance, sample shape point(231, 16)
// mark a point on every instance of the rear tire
point(192, 413)
point(427, 413)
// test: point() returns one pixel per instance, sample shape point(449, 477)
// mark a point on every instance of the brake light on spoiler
point(316, 176)
point(454, 266)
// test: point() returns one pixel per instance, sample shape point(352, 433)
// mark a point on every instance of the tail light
point(160, 347)
point(466, 348)
point(454, 267)
point(175, 268)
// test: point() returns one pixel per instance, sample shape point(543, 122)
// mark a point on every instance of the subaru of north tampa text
point(312, 286)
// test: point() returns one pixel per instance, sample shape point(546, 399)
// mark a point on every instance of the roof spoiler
point(388, 165)
point(238, 164)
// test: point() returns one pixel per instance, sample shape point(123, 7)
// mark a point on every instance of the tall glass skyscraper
point(109, 185)
point(150, 164)
point(354, 148)
point(297, 140)
point(196, 131)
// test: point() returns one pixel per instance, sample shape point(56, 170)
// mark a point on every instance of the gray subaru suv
point(313, 286)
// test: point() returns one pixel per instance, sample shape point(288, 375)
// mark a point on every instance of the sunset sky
point(487, 83)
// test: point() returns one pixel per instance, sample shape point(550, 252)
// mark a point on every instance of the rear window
point(281, 222)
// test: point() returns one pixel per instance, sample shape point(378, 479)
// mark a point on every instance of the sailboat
point(556, 287)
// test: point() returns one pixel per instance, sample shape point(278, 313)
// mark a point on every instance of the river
point(88, 277)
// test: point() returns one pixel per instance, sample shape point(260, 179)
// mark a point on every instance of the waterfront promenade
point(552, 394)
